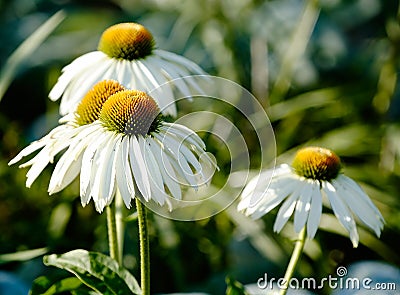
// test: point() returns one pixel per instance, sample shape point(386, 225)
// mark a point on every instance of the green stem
point(112, 232)
point(144, 248)
point(120, 224)
point(298, 249)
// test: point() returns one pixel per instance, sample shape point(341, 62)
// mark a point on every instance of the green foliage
point(98, 271)
point(44, 286)
point(326, 74)
point(234, 287)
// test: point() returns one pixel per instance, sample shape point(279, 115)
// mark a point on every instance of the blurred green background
point(325, 71)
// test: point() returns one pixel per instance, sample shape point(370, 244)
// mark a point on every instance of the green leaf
point(96, 270)
point(44, 286)
point(234, 287)
point(22, 255)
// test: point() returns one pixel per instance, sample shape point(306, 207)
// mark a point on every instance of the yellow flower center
point(316, 163)
point(126, 41)
point(89, 108)
point(130, 112)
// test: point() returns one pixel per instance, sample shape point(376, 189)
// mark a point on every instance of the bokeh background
point(325, 72)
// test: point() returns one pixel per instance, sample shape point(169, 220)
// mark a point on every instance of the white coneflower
point(131, 149)
point(59, 138)
point(126, 53)
point(314, 174)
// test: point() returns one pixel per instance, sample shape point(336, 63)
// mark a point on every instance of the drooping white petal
point(191, 66)
point(182, 149)
point(41, 161)
point(155, 177)
point(38, 144)
point(303, 205)
point(184, 133)
point(178, 162)
point(71, 70)
point(124, 173)
point(34, 146)
point(82, 83)
point(65, 170)
point(341, 211)
point(358, 206)
point(138, 167)
point(174, 73)
point(147, 79)
point(167, 171)
point(89, 168)
point(104, 184)
point(98, 168)
point(352, 185)
point(287, 209)
point(272, 196)
point(314, 216)
point(148, 75)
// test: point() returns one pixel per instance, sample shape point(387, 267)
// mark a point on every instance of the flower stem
point(120, 224)
point(144, 248)
point(112, 232)
point(298, 249)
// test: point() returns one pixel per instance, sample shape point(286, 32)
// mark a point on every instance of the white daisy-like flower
point(58, 139)
point(314, 175)
point(130, 149)
point(126, 53)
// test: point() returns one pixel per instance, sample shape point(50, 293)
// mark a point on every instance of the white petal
point(314, 216)
point(341, 211)
point(49, 140)
point(149, 76)
point(287, 209)
point(174, 73)
point(82, 83)
point(138, 167)
point(184, 133)
point(181, 148)
point(97, 170)
point(124, 73)
point(104, 185)
point(89, 167)
point(41, 161)
point(34, 146)
point(191, 66)
point(155, 177)
point(148, 82)
point(351, 184)
point(303, 205)
point(124, 173)
point(166, 169)
point(70, 71)
point(178, 161)
point(61, 176)
point(71, 172)
point(181, 166)
point(357, 205)
point(272, 196)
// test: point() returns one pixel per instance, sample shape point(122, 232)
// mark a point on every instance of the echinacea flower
point(131, 149)
point(126, 53)
point(87, 111)
point(314, 174)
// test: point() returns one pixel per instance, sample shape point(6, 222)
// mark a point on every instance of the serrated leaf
point(96, 270)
